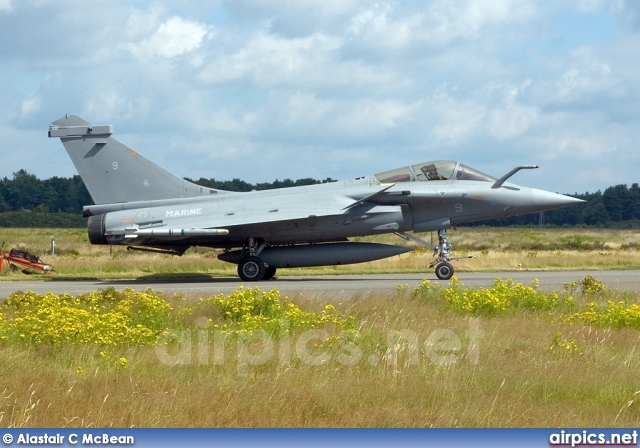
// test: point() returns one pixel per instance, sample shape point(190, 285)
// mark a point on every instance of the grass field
point(445, 356)
point(493, 249)
point(414, 362)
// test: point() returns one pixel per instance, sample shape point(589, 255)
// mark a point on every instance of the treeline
point(240, 185)
point(616, 206)
point(42, 220)
point(25, 192)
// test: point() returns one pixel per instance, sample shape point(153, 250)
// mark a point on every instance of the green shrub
point(502, 296)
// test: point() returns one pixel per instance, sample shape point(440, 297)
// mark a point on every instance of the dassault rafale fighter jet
point(145, 207)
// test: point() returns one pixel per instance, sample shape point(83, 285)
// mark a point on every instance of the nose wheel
point(444, 270)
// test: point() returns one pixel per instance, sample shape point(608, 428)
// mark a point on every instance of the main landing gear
point(251, 268)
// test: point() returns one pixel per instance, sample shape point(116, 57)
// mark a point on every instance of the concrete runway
point(339, 287)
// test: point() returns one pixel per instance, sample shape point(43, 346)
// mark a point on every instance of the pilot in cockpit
point(431, 173)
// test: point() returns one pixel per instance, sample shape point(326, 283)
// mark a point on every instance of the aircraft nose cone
point(546, 200)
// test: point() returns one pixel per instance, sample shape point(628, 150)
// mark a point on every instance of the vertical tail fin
point(113, 172)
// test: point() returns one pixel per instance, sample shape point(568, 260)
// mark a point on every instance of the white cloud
point(511, 118)
point(454, 121)
point(271, 60)
point(111, 103)
point(293, 18)
point(596, 6)
point(175, 37)
point(511, 121)
point(394, 29)
point(368, 119)
point(224, 122)
point(577, 83)
point(6, 6)
point(302, 108)
point(378, 24)
point(30, 106)
point(476, 14)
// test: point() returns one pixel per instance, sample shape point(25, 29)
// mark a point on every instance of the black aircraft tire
point(269, 273)
point(251, 269)
point(444, 271)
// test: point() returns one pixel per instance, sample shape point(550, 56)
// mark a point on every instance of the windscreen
point(466, 173)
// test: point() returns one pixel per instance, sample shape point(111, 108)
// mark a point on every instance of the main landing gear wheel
point(269, 273)
point(251, 269)
point(444, 271)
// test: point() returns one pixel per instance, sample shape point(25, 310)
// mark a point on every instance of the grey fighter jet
point(145, 207)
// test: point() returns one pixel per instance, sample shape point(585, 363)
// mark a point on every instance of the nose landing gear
point(444, 269)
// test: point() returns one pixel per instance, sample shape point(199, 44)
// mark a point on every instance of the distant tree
point(3, 205)
point(62, 198)
point(238, 185)
point(285, 183)
point(595, 214)
point(71, 194)
point(44, 196)
point(565, 216)
point(79, 195)
point(617, 201)
point(228, 185)
point(22, 190)
point(634, 197)
point(306, 181)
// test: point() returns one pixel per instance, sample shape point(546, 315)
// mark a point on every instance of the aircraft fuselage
point(323, 212)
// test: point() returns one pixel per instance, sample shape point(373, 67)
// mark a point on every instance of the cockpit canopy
point(430, 171)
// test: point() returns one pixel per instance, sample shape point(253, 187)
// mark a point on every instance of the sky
point(272, 89)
